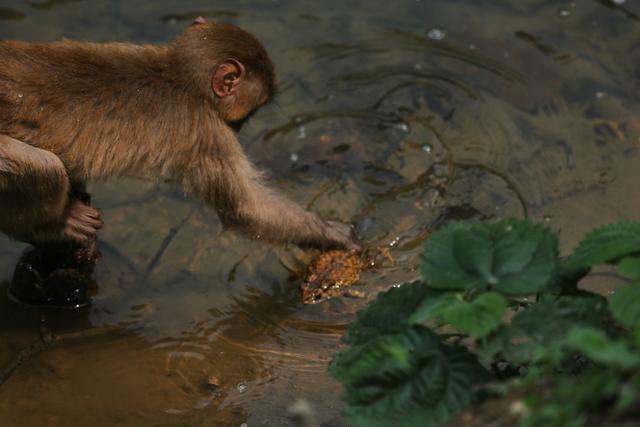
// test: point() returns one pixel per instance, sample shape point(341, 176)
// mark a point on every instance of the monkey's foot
point(81, 223)
point(55, 275)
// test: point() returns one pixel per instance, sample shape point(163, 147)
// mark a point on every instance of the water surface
point(397, 116)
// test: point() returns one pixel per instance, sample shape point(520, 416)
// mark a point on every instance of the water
point(525, 109)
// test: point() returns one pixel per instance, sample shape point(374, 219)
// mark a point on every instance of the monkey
point(74, 111)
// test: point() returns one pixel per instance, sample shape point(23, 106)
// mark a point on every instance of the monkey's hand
point(341, 236)
point(81, 223)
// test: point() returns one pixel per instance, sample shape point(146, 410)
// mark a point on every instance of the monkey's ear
point(199, 20)
point(227, 77)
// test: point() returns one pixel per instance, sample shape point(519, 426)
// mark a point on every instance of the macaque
point(73, 111)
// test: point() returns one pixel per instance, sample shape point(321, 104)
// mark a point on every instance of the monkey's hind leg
point(36, 207)
point(34, 197)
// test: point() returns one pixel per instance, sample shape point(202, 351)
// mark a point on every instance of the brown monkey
point(72, 111)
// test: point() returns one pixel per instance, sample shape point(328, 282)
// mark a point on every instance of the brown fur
point(121, 109)
point(34, 197)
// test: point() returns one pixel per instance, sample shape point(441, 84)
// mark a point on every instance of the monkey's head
point(228, 65)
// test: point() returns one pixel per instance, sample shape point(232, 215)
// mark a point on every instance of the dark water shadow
point(7, 14)
point(48, 4)
point(609, 4)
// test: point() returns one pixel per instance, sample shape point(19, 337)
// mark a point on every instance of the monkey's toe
point(342, 236)
point(82, 223)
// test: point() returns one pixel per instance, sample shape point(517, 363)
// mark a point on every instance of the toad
point(333, 273)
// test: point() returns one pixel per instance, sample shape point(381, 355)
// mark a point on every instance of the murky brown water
point(398, 116)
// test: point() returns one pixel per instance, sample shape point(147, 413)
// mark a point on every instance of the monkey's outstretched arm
point(34, 197)
point(233, 186)
point(262, 214)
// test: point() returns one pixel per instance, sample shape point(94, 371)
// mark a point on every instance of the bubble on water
point(564, 12)
point(440, 170)
point(294, 157)
point(242, 387)
point(599, 94)
point(619, 2)
point(20, 95)
point(436, 34)
point(394, 242)
point(427, 148)
point(472, 46)
point(403, 127)
point(417, 66)
point(302, 132)
point(547, 218)
point(244, 425)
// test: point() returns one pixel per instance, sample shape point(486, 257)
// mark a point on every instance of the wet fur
point(48, 183)
point(119, 109)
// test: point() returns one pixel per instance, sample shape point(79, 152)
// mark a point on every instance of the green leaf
point(624, 305)
point(630, 267)
point(389, 313)
point(538, 331)
point(606, 244)
point(567, 278)
point(597, 346)
point(635, 336)
point(629, 393)
point(478, 317)
point(511, 256)
point(407, 379)
point(433, 307)
point(567, 400)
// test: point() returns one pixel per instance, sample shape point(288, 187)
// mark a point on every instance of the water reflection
point(190, 16)
point(48, 4)
point(543, 47)
point(619, 6)
point(519, 110)
point(10, 14)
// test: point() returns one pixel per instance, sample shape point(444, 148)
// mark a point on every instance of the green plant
point(498, 309)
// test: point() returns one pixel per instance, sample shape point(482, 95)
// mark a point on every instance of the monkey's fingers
point(95, 223)
point(75, 237)
point(81, 225)
point(85, 210)
point(87, 221)
point(85, 214)
point(356, 245)
point(80, 232)
point(342, 236)
point(86, 229)
point(94, 214)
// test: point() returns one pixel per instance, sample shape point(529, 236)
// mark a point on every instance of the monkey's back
point(104, 109)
